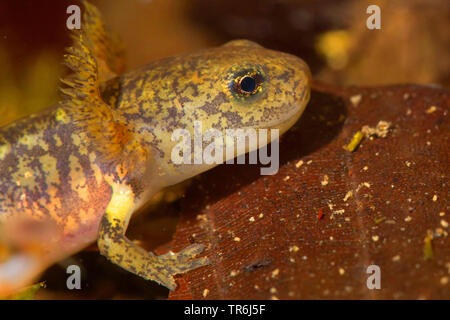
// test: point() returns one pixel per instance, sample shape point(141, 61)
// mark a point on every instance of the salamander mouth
point(285, 125)
point(291, 118)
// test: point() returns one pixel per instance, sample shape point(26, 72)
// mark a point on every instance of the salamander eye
point(247, 83)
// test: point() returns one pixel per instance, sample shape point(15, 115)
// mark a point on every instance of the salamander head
point(235, 86)
point(243, 85)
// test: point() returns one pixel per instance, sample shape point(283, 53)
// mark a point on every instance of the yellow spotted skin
point(77, 171)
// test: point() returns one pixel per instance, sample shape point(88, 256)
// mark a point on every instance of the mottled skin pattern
point(51, 194)
point(77, 171)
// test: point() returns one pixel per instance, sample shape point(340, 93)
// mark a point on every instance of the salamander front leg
point(117, 248)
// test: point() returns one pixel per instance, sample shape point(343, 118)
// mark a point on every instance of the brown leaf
point(263, 233)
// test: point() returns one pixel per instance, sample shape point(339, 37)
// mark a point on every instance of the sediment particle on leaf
point(320, 214)
point(363, 184)
point(341, 271)
point(396, 258)
point(237, 239)
point(299, 164)
point(234, 273)
point(428, 248)
point(444, 223)
point(324, 181)
point(408, 219)
point(293, 249)
point(381, 130)
point(354, 143)
point(379, 220)
point(444, 281)
point(435, 197)
point(440, 232)
point(330, 205)
point(356, 99)
point(205, 293)
point(348, 195)
point(431, 109)
point(275, 273)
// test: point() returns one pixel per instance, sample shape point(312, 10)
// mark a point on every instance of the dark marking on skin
point(137, 186)
point(213, 107)
point(184, 100)
point(194, 88)
point(113, 233)
point(173, 115)
point(234, 119)
point(175, 85)
point(285, 76)
point(154, 141)
point(110, 91)
point(138, 91)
